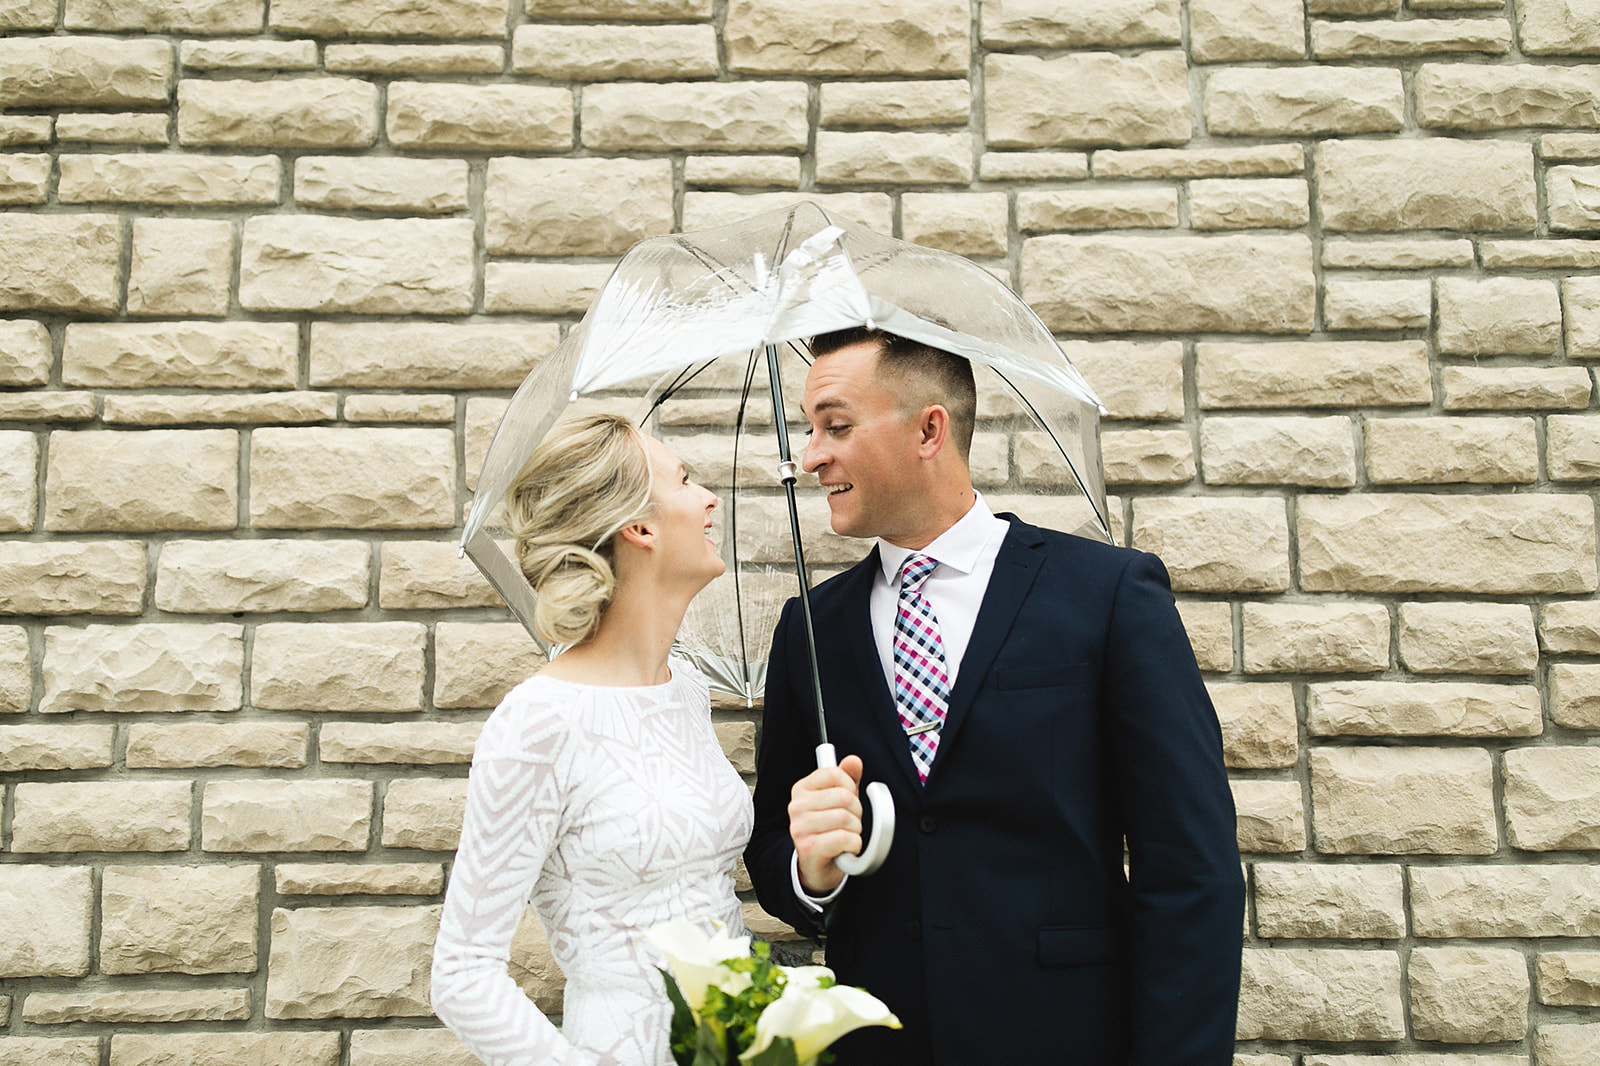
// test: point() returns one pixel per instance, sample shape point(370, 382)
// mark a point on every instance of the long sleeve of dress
point(513, 818)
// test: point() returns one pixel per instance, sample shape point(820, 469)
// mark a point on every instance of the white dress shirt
point(966, 553)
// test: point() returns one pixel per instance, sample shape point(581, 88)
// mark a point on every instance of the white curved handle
point(876, 848)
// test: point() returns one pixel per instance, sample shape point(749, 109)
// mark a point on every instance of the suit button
point(927, 823)
point(914, 929)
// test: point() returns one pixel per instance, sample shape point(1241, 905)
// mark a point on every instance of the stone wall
point(269, 271)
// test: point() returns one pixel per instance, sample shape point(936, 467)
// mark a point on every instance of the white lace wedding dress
point(618, 810)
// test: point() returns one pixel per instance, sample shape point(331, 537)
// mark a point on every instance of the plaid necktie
point(921, 685)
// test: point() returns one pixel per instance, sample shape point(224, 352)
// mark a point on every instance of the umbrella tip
point(573, 398)
point(461, 551)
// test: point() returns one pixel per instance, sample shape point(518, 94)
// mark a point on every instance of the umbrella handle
point(876, 848)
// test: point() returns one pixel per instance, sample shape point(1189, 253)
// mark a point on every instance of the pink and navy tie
point(921, 683)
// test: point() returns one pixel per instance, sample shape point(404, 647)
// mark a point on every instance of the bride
point(597, 785)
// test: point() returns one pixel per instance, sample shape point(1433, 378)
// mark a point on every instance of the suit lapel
point(1015, 567)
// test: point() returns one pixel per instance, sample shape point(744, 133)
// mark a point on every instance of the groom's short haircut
point(918, 374)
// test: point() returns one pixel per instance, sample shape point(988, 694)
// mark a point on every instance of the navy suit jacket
point(1003, 927)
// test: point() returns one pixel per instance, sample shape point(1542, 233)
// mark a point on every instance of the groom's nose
point(812, 458)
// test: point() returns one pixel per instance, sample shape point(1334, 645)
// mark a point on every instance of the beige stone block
point(1421, 543)
point(390, 18)
point(1570, 1044)
point(180, 267)
point(1231, 283)
point(86, 71)
point(874, 210)
point(1248, 203)
point(1468, 995)
point(477, 663)
point(543, 288)
point(484, 414)
point(38, 406)
point(352, 478)
point(1358, 303)
point(1519, 388)
point(1432, 183)
point(1216, 544)
point(415, 186)
point(1569, 146)
point(1254, 161)
point(1405, 708)
point(1209, 626)
point(133, 127)
point(1573, 447)
point(738, 740)
point(424, 813)
point(101, 816)
point(211, 576)
point(1307, 901)
point(26, 129)
point(206, 744)
point(24, 179)
point(280, 113)
point(1454, 5)
point(1033, 166)
point(576, 206)
point(1125, 207)
point(1437, 450)
point(1278, 451)
point(712, 171)
point(386, 407)
point(190, 1005)
point(248, 54)
point(350, 962)
point(154, 666)
point(169, 409)
point(179, 919)
point(1299, 638)
point(16, 670)
point(1480, 96)
point(153, 479)
point(1387, 253)
point(411, 743)
point(1553, 798)
point(1569, 978)
point(55, 747)
point(1498, 316)
point(1320, 994)
point(359, 879)
point(964, 223)
point(327, 814)
point(1086, 98)
point(1147, 457)
point(1259, 727)
point(19, 465)
point(225, 1049)
point(180, 354)
point(437, 115)
point(169, 178)
point(696, 115)
point(428, 575)
point(848, 158)
point(1402, 801)
point(365, 266)
point(24, 353)
point(630, 10)
point(29, 15)
point(533, 966)
point(894, 104)
point(31, 1050)
point(1581, 297)
point(611, 53)
point(1412, 37)
point(1296, 101)
point(821, 37)
point(44, 921)
point(1078, 23)
point(34, 275)
point(189, 16)
point(72, 577)
point(1468, 638)
point(1133, 380)
point(414, 58)
point(1558, 27)
point(408, 1047)
point(1570, 626)
point(1223, 31)
point(1313, 373)
point(1575, 693)
point(427, 354)
point(1505, 901)
point(1271, 817)
point(338, 666)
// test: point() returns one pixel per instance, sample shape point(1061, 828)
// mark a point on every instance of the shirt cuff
point(814, 902)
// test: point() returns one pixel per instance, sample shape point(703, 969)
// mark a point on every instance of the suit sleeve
point(787, 753)
point(1178, 814)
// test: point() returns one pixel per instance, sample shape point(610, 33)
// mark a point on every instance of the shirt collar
point(960, 547)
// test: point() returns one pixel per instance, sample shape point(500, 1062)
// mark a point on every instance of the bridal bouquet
point(730, 1006)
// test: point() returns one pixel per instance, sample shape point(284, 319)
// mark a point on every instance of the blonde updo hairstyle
point(586, 481)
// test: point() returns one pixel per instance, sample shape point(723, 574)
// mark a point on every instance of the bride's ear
point(640, 535)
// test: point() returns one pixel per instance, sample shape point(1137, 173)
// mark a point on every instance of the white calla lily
point(814, 1017)
point(695, 958)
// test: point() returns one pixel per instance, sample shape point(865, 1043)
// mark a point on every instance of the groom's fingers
point(825, 822)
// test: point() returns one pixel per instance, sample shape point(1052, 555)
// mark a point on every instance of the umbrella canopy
point(688, 317)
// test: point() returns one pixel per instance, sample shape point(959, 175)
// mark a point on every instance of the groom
point(1032, 702)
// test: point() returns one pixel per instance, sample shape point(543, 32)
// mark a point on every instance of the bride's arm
point(513, 817)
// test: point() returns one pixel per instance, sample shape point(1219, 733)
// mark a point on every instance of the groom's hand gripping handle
point(825, 822)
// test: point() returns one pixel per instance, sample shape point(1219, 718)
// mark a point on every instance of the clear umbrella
point(705, 328)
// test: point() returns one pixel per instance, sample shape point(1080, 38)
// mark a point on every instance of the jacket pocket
point(1088, 945)
point(1055, 675)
